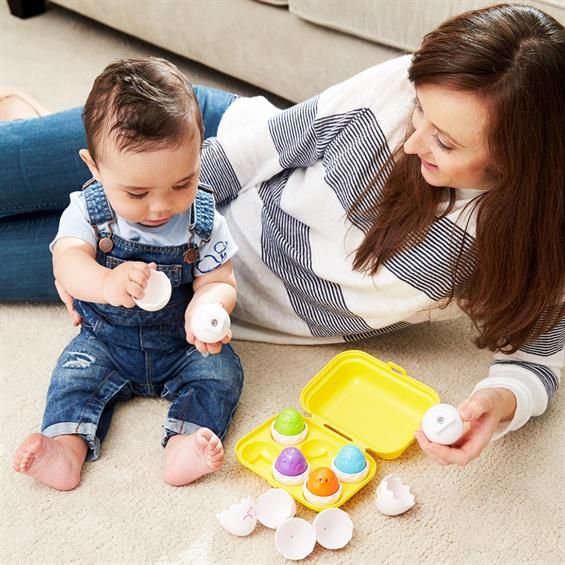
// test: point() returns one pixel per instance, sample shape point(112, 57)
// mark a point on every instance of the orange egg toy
point(322, 487)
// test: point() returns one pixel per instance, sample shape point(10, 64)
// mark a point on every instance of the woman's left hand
point(482, 412)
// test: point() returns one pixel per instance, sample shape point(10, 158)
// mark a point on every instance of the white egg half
point(333, 528)
point(274, 507)
point(443, 424)
point(295, 538)
point(240, 519)
point(210, 323)
point(289, 440)
point(393, 496)
point(157, 292)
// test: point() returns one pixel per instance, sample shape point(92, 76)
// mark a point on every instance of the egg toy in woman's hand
point(442, 424)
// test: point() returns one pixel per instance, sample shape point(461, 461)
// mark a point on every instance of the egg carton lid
point(375, 404)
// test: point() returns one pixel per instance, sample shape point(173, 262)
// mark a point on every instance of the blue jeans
point(39, 167)
point(91, 376)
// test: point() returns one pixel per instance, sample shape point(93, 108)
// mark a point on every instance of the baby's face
point(151, 186)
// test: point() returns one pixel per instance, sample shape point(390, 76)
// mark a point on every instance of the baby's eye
point(136, 196)
point(182, 186)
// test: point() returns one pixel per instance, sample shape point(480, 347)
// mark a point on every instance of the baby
point(143, 209)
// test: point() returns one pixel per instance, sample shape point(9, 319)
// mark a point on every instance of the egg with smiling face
point(322, 487)
point(290, 467)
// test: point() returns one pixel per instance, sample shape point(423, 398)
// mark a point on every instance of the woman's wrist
point(505, 403)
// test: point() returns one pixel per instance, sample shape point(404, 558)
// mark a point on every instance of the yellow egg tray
point(355, 398)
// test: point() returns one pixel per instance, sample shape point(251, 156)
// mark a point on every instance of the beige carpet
point(505, 508)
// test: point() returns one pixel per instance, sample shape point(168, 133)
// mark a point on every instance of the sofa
point(293, 48)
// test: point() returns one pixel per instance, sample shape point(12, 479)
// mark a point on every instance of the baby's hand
point(126, 282)
point(481, 412)
point(202, 346)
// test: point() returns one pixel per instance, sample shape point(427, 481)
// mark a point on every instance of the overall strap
point(202, 213)
point(97, 205)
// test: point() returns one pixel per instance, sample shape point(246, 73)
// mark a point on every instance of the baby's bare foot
point(56, 462)
point(188, 457)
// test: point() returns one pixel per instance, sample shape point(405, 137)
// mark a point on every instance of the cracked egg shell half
point(295, 539)
point(333, 528)
point(275, 507)
point(393, 496)
point(239, 519)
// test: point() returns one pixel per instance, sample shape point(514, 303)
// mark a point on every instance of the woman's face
point(450, 138)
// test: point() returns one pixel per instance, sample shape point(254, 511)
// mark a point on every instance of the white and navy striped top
point(284, 181)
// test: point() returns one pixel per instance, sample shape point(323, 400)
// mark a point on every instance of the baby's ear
point(87, 158)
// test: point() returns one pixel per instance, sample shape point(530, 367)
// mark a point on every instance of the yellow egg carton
point(355, 398)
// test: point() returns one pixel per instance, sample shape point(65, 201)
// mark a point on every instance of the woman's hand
point(481, 412)
point(67, 300)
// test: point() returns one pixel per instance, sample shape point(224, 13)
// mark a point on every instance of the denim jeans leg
point(213, 103)
point(39, 163)
point(83, 388)
point(204, 393)
point(27, 270)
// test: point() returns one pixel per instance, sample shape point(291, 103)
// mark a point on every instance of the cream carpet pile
point(506, 507)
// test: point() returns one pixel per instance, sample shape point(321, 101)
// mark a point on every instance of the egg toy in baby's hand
point(289, 427)
point(290, 467)
point(322, 487)
point(210, 323)
point(350, 465)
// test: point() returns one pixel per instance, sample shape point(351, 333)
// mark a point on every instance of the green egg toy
point(289, 422)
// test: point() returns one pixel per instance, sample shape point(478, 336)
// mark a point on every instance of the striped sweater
point(284, 181)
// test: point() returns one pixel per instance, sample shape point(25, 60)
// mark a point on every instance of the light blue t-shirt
point(220, 248)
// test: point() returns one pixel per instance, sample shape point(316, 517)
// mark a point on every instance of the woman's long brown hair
point(513, 57)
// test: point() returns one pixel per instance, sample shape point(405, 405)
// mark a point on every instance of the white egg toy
point(210, 323)
point(295, 539)
point(333, 528)
point(393, 496)
point(274, 507)
point(240, 519)
point(157, 292)
point(442, 424)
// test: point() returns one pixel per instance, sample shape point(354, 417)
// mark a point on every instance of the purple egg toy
point(291, 462)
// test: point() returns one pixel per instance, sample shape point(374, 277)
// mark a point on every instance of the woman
point(418, 189)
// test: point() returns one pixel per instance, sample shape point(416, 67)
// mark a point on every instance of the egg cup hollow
point(157, 292)
point(289, 479)
point(289, 440)
point(350, 477)
point(320, 500)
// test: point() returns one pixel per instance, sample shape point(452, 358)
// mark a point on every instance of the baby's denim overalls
point(122, 352)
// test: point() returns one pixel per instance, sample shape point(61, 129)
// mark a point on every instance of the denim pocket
point(173, 272)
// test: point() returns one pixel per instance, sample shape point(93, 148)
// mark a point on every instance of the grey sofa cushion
point(397, 23)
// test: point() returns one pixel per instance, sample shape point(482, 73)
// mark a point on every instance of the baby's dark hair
point(141, 103)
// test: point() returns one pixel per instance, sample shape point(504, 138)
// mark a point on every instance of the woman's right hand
point(67, 300)
point(126, 282)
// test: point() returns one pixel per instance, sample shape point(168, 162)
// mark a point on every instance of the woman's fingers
point(67, 300)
